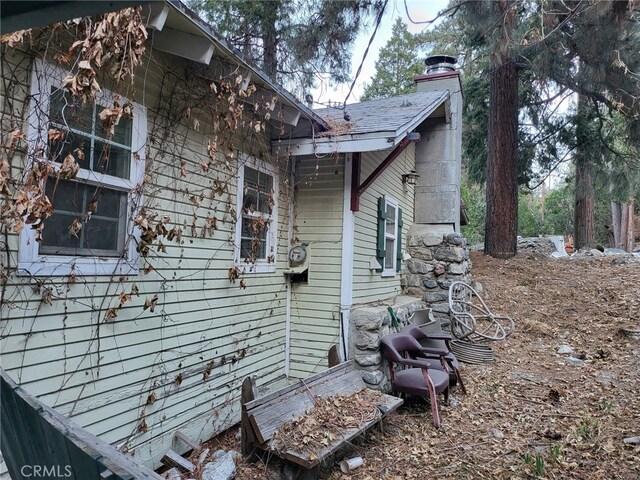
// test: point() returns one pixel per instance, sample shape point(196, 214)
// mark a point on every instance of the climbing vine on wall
point(217, 104)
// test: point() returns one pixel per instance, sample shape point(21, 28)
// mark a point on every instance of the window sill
point(82, 266)
point(388, 274)
point(259, 267)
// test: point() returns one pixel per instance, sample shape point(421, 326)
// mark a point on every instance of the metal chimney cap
point(435, 59)
point(440, 63)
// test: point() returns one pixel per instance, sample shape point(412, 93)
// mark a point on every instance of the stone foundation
point(438, 258)
point(368, 324)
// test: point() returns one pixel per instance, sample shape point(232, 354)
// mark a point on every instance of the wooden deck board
point(295, 403)
point(309, 460)
point(266, 414)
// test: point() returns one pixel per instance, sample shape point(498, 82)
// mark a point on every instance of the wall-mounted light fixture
point(410, 178)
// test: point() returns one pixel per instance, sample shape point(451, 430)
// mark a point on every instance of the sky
point(420, 11)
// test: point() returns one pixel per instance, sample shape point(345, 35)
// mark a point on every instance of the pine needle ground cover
point(533, 413)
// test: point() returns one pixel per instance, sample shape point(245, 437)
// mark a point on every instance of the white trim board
point(363, 142)
point(346, 271)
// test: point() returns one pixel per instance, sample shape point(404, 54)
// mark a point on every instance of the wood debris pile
point(329, 417)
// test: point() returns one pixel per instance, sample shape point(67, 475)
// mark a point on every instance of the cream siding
point(369, 285)
point(101, 373)
point(315, 307)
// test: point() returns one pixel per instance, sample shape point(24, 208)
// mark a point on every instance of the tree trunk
point(631, 220)
point(622, 213)
point(616, 223)
point(270, 41)
point(501, 226)
point(616, 212)
point(584, 232)
point(627, 235)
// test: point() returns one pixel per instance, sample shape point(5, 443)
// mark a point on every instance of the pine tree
point(293, 41)
point(542, 43)
point(398, 63)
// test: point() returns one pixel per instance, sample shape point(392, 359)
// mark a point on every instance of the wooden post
point(248, 438)
point(334, 356)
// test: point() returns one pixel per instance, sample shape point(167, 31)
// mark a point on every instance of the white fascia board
point(185, 45)
point(155, 15)
point(422, 116)
point(346, 271)
point(343, 144)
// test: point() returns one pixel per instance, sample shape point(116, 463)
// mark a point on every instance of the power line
point(375, 30)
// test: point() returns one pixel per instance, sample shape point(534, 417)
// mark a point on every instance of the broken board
point(268, 413)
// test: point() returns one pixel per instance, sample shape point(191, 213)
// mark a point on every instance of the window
point(98, 201)
point(389, 241)
point(257, 215)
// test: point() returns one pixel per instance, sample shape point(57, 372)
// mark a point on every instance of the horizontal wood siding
point(315, 307)
point(181, 365)
point(369, 285)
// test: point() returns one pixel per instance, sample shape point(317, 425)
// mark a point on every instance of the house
point(204, 225)
point(356, 204)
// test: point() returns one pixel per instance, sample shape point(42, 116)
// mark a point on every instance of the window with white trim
point(257, 215)
point(90, 231)
point(389, 239)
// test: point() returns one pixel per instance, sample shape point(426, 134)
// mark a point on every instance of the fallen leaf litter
point(531, 411)
point(329, 418)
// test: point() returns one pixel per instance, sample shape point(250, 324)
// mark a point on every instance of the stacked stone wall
point(437, 260)
point(368, 324)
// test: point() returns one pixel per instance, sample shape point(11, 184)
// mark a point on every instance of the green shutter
point(382, 213)
point(399, 254)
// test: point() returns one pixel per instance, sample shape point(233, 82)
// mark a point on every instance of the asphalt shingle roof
point(381, 115)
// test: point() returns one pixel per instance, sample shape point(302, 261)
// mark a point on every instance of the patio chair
point(433, 337)
point(472, 320)
point(415, 376)
point(439, 352)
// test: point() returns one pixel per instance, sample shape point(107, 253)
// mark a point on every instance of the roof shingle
point(380, 115)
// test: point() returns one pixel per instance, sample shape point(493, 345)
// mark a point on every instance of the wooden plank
point(172, 459)
point(178, 435)
point(58, 449)
point(267, 418)
point(32, 433)
point(334, 356)
point(84, 463)
point(340, 382)
point(15, 454)
point(247, 435)
point(308, 381)
point(388, 402)
point(45, 435)
point(90, 456)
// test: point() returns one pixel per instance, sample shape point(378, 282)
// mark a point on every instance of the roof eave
point(364, 142)
point(230, 51)
point(423, 115)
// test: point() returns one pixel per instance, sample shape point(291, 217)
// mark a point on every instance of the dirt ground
point(531, 414)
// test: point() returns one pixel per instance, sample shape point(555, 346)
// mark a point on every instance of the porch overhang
point(365, 142)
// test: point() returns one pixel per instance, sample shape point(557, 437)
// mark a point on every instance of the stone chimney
point(439, 153)
point(437, 249)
